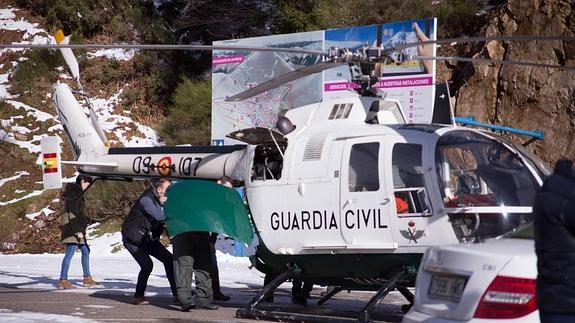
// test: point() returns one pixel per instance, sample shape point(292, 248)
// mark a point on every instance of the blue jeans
point(556, 318)
point(70, 250)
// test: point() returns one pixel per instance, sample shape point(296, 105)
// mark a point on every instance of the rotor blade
point(278, 49)
point(164, 47)
point(282, 79)
point(492, 61)
point(68, 55)
point(476, 39)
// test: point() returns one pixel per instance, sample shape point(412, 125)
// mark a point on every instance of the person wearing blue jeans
point(70, 250)
point(73, 231)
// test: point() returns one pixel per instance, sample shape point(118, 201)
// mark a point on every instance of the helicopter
point(343, 192)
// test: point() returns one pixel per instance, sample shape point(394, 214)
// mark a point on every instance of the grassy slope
point(32, 83)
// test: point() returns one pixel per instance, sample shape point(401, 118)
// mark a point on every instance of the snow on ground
point(114, 53)
point(31, 194)
point(25, 317)
point(116, 271)
point(112, 122)
point(31, 30)
point(111, 262)
point(11, 178)
point(47, 211)
point(24, 136)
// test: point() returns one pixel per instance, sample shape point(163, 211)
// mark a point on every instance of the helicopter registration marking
point(322, 220)
point(187, 166)
point(142, 165)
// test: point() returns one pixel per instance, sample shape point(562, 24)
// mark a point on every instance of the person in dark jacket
point(192, 254)
point(554, 228)
point(214, 272)
point(141, 233)
point(73, 231)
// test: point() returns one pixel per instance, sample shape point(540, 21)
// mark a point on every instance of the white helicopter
point(343, 192)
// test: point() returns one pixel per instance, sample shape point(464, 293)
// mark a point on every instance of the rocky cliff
point(526, 97)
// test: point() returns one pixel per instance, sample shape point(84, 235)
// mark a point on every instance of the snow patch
point(46, 211)
point(7, 14)
point(31, 317)
point(34, 193)
point(38, 114)
point(12, 178)
point(30, 30)
point(114, 53)
point(104, 108)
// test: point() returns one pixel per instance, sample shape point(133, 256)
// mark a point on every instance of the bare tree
point(220, 19)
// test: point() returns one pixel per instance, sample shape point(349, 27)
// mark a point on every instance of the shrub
point(188, 120)
point(111, 199)
point(40, 64)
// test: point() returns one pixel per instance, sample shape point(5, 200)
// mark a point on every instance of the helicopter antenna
point(451, 112)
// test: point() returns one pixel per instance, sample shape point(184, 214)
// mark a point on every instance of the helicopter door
point(364, 205)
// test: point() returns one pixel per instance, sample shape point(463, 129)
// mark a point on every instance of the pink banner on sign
point(405, 82)
point(227, 60)
point(339, 86)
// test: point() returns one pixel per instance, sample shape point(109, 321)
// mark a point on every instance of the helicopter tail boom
point(85, 140)
point(94, 156)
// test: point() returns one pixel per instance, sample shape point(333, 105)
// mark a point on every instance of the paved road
point(114, 306)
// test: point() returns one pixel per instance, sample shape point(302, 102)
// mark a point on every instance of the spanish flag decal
point(50, 163)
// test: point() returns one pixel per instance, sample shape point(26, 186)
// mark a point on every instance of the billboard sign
point(234, 71)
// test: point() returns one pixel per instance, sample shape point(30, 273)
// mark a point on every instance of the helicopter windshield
point(487, 189)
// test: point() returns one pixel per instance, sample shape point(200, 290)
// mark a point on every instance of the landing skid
point(329, 295)
point(252, 312)
point(390, 285)
point(267, 291)
point(257, 314)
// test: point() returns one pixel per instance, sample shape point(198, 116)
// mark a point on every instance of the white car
point(489, 281)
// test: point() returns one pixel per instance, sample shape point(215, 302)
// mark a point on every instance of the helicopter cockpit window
point(408, 181)
point(363, 167)
point(487, 189)
point(477, 171)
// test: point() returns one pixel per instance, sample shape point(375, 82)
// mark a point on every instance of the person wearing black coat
point(554, 229)
point(141, 233)
point(192, 255)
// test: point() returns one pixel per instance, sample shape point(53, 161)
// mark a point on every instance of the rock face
point(529, 98)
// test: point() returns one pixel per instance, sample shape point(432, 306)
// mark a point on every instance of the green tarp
point(197, 205)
